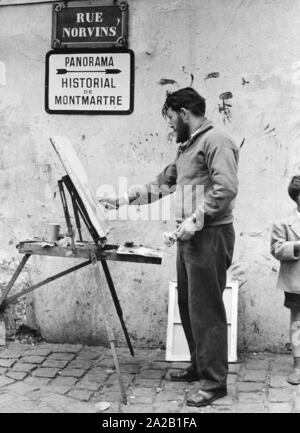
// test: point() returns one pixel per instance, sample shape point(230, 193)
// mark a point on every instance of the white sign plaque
point(89, 82)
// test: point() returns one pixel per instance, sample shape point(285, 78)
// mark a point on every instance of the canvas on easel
point(77, 174)
point(177, 347)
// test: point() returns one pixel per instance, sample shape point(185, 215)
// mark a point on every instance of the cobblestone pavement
point(74, 378)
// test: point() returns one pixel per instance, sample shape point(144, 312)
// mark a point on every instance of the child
point(285, 246)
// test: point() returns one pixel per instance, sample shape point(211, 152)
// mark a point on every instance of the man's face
point(178, 125)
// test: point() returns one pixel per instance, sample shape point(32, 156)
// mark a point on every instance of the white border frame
point(232, 354)
point(232, 351)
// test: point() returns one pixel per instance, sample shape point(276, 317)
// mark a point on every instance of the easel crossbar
point(46, 281)
point(14, 277)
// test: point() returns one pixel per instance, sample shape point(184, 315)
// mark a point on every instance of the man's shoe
point(294, 377)
point(204, 398)
point(188, 375)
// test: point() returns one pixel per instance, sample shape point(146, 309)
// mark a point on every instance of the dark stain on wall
point(267, 130)
point(226, 95)
point(225, 106)
point(256, 328)
point(242, 143)
point(244, 82)
point(212, 75)
point(165, 81)
point(192, 80)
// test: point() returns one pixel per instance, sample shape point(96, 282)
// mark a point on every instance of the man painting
point(207, 160)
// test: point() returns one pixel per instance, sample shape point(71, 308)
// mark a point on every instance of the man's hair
point(294, 188)
point(185, 98)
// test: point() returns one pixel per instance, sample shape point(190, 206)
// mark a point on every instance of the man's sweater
point(204, 176)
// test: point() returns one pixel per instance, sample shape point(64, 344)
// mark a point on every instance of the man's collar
point(196, 132)
point(205, 125)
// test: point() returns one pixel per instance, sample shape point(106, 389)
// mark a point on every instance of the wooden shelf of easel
point(83, 250)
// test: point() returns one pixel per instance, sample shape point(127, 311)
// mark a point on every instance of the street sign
point(89, 82)
point(90, 24)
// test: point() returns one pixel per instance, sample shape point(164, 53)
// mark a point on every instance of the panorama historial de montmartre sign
point(99, 82)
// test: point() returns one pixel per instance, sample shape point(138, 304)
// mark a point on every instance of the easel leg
point(117, 303)
point(108, 327)
point(14, 277)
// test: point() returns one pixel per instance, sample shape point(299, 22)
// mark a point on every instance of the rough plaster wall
point(242, 47)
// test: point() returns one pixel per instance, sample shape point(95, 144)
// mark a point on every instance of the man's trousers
point(202, 263)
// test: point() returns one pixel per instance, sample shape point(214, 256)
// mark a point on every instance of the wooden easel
point(95, 252)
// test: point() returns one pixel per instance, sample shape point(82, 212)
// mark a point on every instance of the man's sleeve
point(281, 248)
point(162, 185)
point(221, 157)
